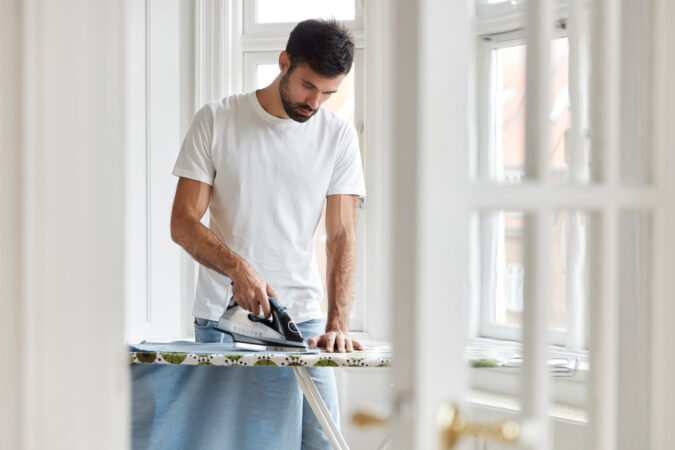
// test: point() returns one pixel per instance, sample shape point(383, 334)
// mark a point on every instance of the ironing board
point(192, 353)
point(377, 354)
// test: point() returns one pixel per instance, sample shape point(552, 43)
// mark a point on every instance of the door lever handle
point(453, 426)
point(363, 418)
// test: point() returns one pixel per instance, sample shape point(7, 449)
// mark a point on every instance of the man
point(264, 163)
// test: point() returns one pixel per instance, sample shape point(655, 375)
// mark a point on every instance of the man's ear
point(284, 62)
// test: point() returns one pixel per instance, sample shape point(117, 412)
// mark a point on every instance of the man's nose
point(313, 100)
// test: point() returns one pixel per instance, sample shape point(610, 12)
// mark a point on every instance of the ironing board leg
point(319, 407)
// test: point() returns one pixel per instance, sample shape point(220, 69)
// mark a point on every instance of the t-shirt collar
point(267, 117)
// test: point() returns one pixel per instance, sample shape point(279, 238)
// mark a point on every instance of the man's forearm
point(341, 258)
point(204, 247)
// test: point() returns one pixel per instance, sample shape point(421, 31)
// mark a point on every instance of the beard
point(292, 109)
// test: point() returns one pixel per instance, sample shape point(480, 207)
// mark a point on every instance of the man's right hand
point(251, 291)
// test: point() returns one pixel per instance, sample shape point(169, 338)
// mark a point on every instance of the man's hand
point(330, 339)
point(250, 290)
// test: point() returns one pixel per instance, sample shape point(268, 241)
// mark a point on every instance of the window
point(502, 72)
point(266, 28)
point(274, 17)
point(500, 158)
point(502, 269)
point(292, 11)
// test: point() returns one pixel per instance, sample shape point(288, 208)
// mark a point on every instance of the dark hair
point(325, 45)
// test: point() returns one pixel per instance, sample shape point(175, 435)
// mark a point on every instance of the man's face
point(303, 91)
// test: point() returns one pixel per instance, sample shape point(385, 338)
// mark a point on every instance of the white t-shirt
point(270, 179)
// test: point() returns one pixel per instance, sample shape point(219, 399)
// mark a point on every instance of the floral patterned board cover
point(376, 354)
point(373, 356)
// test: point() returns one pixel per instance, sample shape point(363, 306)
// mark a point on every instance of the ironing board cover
point(193, 353)
point(376, 354)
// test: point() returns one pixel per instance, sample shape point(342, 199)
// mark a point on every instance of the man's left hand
point(335, 339)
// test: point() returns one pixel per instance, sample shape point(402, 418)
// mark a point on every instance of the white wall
point(160, 92)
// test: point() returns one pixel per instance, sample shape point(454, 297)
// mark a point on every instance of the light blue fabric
point(207, 407)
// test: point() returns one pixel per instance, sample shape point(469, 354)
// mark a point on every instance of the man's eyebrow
point(314, 87)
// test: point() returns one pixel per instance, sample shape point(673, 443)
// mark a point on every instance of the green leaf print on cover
point(265, 362)
point(174, 358)
point(293, 360)
point(325, 363)
point(146, 357)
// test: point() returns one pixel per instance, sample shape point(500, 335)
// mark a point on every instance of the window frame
point(500, 27)
point(487, 43)
point(502, 19)
point(253, 28)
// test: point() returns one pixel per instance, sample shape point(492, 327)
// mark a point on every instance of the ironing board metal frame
point(319, 407)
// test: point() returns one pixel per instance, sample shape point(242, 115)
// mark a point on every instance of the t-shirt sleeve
point(347, 175)
point(194, 159)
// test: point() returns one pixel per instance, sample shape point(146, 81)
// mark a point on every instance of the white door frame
point(69, 364)
point(429, 245)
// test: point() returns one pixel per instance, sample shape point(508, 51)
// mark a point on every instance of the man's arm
point(192, 199)
point(341, 212)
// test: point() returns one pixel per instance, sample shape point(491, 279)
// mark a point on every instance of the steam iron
point(251, 332)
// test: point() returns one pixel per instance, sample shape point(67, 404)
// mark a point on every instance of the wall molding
point(218, 69)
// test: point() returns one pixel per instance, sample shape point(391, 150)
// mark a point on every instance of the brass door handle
point(364, 418)
point(453, 426)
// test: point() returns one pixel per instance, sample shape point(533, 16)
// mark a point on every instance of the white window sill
point(506, 403)
point(514, 347)
point(569, 391)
